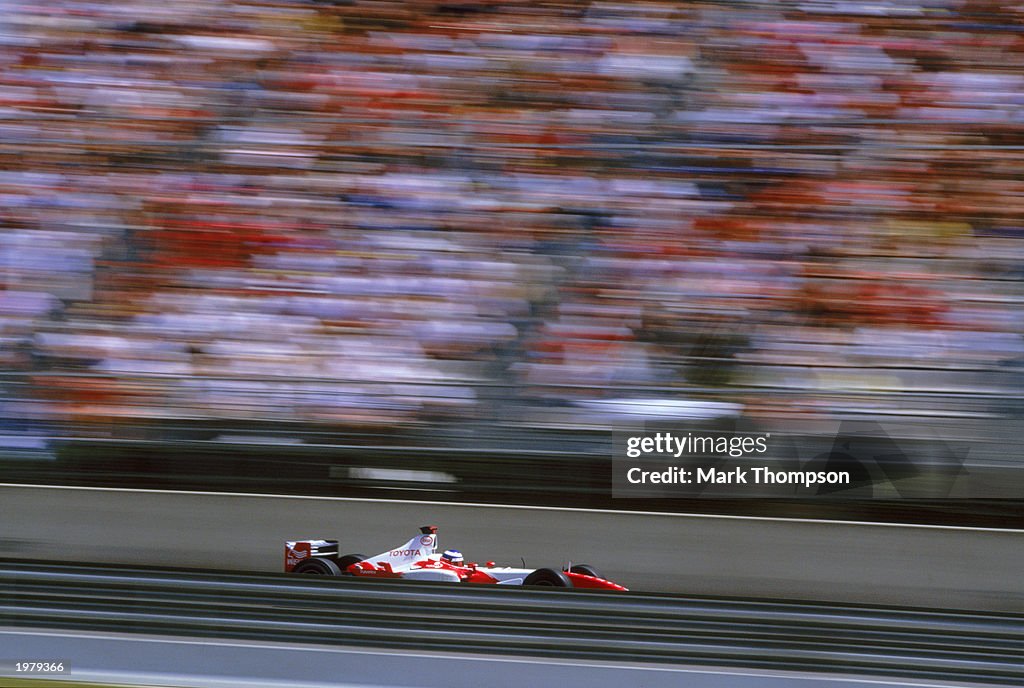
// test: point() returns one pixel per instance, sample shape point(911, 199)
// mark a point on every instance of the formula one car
point(418, 559)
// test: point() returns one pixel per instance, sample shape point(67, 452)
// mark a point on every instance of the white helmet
point(452, 556)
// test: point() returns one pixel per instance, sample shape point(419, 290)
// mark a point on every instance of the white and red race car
point(418, 559)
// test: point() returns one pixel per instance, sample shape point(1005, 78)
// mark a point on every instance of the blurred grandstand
point(455, 226)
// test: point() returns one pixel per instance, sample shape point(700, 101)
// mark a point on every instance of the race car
point(419, 560)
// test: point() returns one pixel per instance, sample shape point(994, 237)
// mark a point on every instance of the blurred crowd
point(381, 212)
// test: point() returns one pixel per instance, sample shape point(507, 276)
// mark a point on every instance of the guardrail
point(652, 628)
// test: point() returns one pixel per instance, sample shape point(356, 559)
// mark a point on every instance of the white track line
point(669, 668)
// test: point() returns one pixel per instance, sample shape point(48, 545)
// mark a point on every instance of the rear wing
point(297, 551)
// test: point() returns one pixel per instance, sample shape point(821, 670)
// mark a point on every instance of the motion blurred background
point(333, 246)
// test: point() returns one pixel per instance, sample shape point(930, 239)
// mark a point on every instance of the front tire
point(548, 578)
point(318, 566)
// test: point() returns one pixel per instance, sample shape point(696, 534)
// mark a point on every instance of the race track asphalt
point(878, 564)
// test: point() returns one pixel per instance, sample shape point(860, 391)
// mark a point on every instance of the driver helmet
point(453, 557)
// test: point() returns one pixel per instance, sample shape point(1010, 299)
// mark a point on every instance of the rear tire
point(349, 559)
point(318, 566)
point(585, 569)
point(548, 578)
